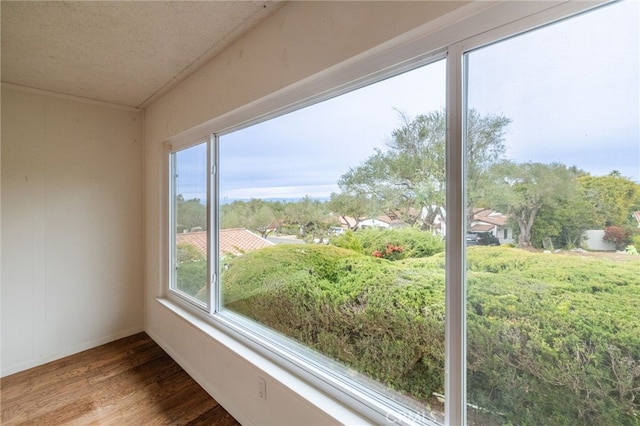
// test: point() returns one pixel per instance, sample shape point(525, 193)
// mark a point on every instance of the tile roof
point(232, 241)
point(489, 216)
point(240, 240)
point(196, 239)
point(480, 228)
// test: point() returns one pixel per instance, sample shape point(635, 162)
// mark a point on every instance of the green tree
point(190, 214)
point(522, 190)
point(357, 206)
point(408, 179)
point(614, 199)
point(564, 221)
point(308, 215)
point(256, 215)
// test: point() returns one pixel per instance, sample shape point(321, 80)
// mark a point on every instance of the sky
point(571, 91)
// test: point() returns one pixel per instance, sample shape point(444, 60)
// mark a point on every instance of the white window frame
point(212, 248)
point(471, 27)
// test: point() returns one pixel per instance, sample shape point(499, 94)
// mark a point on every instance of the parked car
point(472, 239)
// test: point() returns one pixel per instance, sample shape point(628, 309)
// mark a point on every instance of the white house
point(496, 223)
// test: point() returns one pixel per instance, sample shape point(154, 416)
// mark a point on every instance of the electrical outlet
point(262, 388)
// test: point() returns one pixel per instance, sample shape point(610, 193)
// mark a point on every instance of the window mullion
point(213, 217)
point(455, 320)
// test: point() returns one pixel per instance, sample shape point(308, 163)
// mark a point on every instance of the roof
point(489, 216)
point(234, 241)
point(479, 227)
point(636, 214)
point(196, 239)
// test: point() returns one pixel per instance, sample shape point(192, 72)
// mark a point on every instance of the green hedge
point(415, 243)
point(552, 339)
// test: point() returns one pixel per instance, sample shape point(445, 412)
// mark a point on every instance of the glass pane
point(331, 220)
point(553, 275)
point(190, 211)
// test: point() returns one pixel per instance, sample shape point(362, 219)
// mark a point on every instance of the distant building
point(493, 222)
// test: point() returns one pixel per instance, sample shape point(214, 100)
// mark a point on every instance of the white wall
point(300, 40)
point(72, 274)
point(593, 241)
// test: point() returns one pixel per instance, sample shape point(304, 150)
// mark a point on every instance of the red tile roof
point(232, 241)
point(240, 240)
point(196, 239)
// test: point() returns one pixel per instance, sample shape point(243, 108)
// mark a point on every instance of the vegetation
point(191, 271)
point(414, 243)
point(191, 215)
point(408, 179)
point(547, 344)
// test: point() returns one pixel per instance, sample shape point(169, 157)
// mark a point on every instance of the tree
point(614, 198)
point(308, 215)
point(408, 179)
point(565, 221)
point(484, 148)
point(256, 215)
point(357, 206)
point(190, 214)
point(522, 190)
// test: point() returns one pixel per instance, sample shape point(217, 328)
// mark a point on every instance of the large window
point(347, 198)
point(452, 240)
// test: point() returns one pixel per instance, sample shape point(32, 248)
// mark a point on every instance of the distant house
point(380, 222)
point(233, 241)
point(636, 214)
point(496, 223)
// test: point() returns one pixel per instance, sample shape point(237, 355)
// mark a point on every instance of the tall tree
point(408, 178)
point(522, 190)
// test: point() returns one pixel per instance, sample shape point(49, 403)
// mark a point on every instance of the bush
point(618, 235)
point(548, 342)
point(413, 242)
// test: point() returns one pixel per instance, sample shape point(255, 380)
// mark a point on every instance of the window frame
point(486, 24)
point(172, 290)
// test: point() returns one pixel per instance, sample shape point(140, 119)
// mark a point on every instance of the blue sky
point(571, 91)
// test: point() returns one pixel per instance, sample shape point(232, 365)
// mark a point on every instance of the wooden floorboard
point(131, 381)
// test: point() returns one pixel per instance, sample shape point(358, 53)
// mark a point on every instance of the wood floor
point(128, 382)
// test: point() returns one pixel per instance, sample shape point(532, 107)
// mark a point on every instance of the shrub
point(618, 235)
point(414, 242)
point(548, 342)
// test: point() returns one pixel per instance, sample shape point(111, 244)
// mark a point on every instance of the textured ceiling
point(126, 53)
